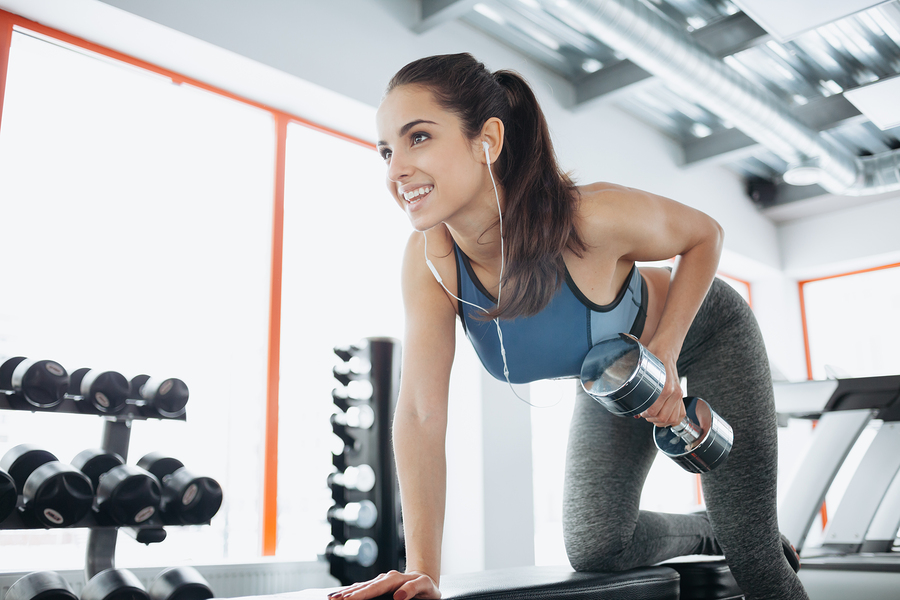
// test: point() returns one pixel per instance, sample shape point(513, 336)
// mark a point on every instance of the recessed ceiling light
point(786, 22)
point(878, 101)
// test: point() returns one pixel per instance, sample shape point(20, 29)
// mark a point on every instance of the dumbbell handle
point(687, 430)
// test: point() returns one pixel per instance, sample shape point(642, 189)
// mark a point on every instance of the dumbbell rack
point(369, 446)
point(101, 548)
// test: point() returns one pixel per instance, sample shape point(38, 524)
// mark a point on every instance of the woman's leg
point(725, 362)
point(607, 461)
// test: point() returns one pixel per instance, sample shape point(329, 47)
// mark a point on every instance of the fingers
point(403, 585)
point(668, 409)
point(420, 587)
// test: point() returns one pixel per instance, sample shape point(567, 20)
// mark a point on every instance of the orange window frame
point(281, 118)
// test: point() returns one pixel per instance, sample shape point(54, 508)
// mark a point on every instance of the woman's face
point(433, 170)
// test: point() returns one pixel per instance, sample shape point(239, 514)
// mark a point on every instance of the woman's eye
point(385, 154)
point(418, 138)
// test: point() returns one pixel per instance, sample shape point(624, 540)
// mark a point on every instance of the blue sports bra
point(553, 343)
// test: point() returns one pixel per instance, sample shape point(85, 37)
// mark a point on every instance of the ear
point(492, 133)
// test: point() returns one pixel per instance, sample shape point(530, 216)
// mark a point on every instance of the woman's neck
point(477, 233)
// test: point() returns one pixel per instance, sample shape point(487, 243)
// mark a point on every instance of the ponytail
point(539, 216)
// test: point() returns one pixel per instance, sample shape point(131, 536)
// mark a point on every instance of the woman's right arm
point(419, 433)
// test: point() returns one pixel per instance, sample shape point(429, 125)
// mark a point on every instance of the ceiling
point(813, 73)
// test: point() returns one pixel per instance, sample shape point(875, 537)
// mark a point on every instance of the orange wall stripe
point(6, 26)
point(270, 475)
point(177, 78)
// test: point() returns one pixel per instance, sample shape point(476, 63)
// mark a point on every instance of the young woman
point(507, 243)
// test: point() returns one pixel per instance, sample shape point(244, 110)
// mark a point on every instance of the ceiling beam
point(436, 12)
point(724, 37)
point(724, 146)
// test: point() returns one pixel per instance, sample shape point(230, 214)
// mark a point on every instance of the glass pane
point(343, 244)
point(853, 323)
point(137, 238)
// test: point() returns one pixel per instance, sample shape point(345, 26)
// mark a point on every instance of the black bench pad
point(706, 580)
point(562, 583)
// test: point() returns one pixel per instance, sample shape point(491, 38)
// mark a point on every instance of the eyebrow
point(406, 128)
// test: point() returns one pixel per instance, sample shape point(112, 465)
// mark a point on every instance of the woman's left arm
point(651, 228)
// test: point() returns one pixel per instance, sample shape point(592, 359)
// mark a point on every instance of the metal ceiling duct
point(666, 51)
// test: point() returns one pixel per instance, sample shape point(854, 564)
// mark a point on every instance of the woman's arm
point(419, 433)
point(647, 227)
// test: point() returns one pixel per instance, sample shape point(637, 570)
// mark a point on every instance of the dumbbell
point(8, 495)
point(56, 494)
point(358, 416)
point(362, 514)
point(627, 379)
point(180, 583)
point(186, 498)
point(104, 392)
point(124, 494)
point(37, 384)
point(165, 397)
point(363, 551)
point(114, 584)
point(360, 478)
point(41, 585)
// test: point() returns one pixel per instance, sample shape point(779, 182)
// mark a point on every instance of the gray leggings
point(724, 360)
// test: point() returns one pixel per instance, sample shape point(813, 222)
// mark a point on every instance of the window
point(852, 323)
point(137, 238)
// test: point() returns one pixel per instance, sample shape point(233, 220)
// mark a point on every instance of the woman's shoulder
point(601, 207)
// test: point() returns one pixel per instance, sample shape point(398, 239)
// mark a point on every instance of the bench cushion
point(706, 579)
point(562, 583)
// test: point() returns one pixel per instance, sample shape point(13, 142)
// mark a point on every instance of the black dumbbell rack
point(101, 548)
point(369, 446)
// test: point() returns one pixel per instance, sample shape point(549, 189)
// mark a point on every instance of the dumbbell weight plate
point(94, 462)
point(129, 495)
point(114, 584)
point(40, 384)
point(104, 392)
point(41, 585)
point(58, 495)
point(180, 583)
point(167, 397)
point(8, 495)
point(21, 461)
point(189, 499)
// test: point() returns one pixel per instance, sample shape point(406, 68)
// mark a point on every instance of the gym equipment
point(180, 583)
point(8, 495)
point(165, 397)
point(626, 379)
point(359, 417)
point(114, 584)
point(364, 485)
point(41, 585)
point(33, 384)
point(855, 557)
point(103, 392)
point(363, 551)
point(186, 498)
point(125, 495)
point(360, 478)
point(362, 514)
point(55, 494)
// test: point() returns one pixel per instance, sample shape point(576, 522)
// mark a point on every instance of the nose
point(399, 168)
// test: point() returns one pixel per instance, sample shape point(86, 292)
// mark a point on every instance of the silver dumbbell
point(626, 379)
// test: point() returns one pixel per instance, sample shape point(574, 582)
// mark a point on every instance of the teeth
point(409, 196)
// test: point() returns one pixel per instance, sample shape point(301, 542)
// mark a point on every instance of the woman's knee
point(596, 548)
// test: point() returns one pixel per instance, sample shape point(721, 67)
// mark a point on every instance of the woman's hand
point(407, 585)
point(668, 409)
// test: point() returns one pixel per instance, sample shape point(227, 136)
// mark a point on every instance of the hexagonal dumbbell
point(103, 392)
point(35, 384)
point(125, 494)
point(55, 494)
point(186, 498)
point(41, 585)
point(180, 583)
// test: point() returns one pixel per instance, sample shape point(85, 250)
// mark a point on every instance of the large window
point(137, 220)
point(852, 324)
point(343, 243)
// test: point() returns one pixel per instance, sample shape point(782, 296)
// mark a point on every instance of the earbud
point(487, 154)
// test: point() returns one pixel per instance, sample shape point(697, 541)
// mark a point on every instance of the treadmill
point(858, 557)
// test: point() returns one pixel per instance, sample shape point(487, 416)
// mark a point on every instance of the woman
point(539, 269)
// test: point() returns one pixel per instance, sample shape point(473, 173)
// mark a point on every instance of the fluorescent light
point(700, 130)
point(787, 22)
point(697, 22)
point(878, 101)
point(490, 13)
point(591, 65)
point(831, 86)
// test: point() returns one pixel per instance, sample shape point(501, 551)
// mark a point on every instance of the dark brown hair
point(539, 216)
